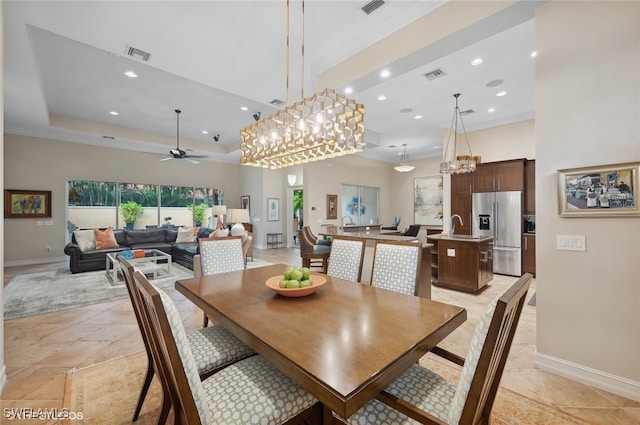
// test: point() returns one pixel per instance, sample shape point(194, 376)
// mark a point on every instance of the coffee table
point(153, 261)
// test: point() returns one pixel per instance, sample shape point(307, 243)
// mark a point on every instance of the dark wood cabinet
point(530, 187)
point(461, 189)
point(529, 254)
point(499, 176)
point(464, 265)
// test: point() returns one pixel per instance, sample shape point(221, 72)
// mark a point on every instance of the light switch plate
point(571, 243)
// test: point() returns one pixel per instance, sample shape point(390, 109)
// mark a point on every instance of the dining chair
point(413, 230)
point(427, 398)
point(313, 254)
point(346, 257)
point(220, 255)
point(396, 266)
point(249, 391)
point(213, 347)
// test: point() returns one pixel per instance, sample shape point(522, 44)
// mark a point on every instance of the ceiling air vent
point(137, 54)
point(436, 73)
point(372, 6)
point(277, 102)
point(467, 112)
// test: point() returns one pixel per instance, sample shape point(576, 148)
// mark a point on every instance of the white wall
point(587, 114)
point(3, 370)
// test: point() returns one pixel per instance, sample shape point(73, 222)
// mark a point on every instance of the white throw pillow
point(222, 232)
point(187, 234)
point(85, 239)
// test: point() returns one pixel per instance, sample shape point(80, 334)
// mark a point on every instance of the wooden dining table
point(344, 343)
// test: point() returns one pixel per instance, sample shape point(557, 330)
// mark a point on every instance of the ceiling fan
point(178, 153)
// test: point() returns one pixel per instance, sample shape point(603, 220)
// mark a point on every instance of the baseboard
point(596, 378)
point(35, 261)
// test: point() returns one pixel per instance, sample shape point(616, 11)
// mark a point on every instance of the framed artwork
point(600, 191)
point(332, 207)
point(27, 203)
point(427, 200)
point(245, 203)
point(273, 209)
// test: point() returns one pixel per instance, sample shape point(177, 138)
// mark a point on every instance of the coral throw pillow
point(105, 239)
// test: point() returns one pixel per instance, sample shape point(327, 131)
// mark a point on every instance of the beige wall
point(3, 374)
point(508, 141)
point(587, 114)
point(40, 164)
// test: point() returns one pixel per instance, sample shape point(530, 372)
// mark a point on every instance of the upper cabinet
point(530, 187)
point(499, 176)
point(461, 189)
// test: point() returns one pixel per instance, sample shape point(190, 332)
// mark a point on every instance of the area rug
point(107, 394)
point(46, 292)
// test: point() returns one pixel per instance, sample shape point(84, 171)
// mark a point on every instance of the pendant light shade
point(404, 166)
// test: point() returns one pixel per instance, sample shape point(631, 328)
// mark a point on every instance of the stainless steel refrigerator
point(499, 214)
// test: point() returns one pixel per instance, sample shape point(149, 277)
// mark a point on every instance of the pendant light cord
point(287, 55)
point(302, 51)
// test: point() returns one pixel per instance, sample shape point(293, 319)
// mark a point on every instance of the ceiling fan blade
point(193, 161)
point(196, 156)
point(167, 158)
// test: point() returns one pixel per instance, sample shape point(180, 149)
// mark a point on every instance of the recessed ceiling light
point(477, 61)
point(205, 132)
point(348, 90)
point(382, 97)
point(494, 83)
point(131, 74)
point(534, 54)
point(501, 93)
point(491, 110)
point(385, 73)
point(114, 113)
point(406, 110)
point(244, 108)
point(417, 117)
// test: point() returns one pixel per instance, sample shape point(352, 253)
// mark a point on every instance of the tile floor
point(39, 350)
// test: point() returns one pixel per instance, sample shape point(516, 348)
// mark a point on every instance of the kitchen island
point(461, 262)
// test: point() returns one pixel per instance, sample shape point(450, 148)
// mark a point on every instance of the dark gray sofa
point(163, 239)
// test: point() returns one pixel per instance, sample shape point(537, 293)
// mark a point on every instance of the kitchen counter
point(461, 262)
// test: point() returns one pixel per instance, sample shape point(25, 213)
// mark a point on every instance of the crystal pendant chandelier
point(323, 126)
point(452, 164)
point(404, 166)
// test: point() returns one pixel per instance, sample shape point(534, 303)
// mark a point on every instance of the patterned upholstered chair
point(421, 396)
point(345, 258)
point(249, 391)
point(213, 347)
point(396, 266)
point(220, 255)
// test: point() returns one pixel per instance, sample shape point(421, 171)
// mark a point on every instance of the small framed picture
point(27, 203)
point(600, 191)
point(332, 207)
point(273, 209)
point(245, 203)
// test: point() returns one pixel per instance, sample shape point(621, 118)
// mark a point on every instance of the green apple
point(293, 284)
point(287, 273)
point(296, 275)
point(305, 283)
point(306, 273)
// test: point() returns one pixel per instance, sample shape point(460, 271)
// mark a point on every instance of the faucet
point(453, 226)
point(350, 220)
